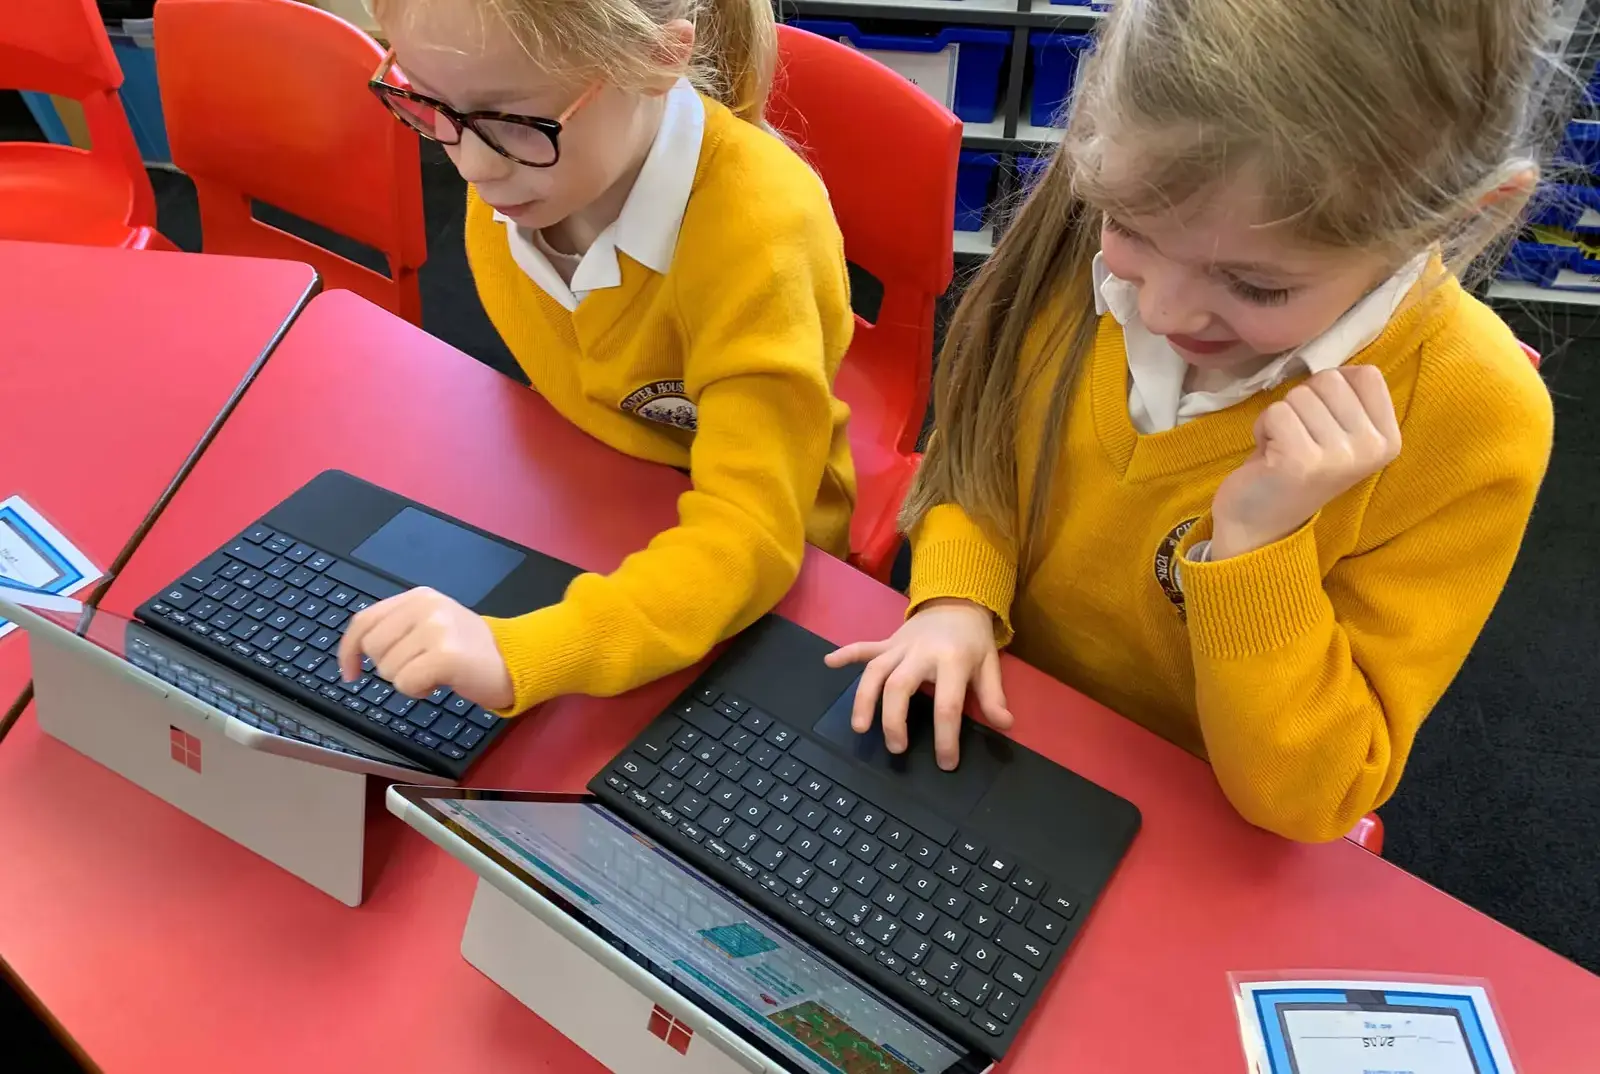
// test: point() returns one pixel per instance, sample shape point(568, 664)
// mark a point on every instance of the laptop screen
point(703, 938)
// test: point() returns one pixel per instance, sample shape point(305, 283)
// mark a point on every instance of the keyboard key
point(665, 788)
point(452, 751)
point(736, 702)
point(328, 671)
point(249, 580)
point(282, 619)
point(953, 903)
point(889, 961)
point(727, 794)
point(795, 871)
point(805, 843)
point(881, 927)
point(861, 943)
point(923, 852)
point(279, 568)
point(333, 618)
point(745, 865)
point(271, 588)
point(289, 598)
point(852, 909)
point(763, 754)
point(686, 738)
point(922, 981)
point(952, 871)
point(360, 604)
point(778, 826)
point(708, 751)
point(401, 728)
point(231, 571)
point(830, 922)
point(341, 595)
point(998, 866)
point(703, 779)
point(279, 543)
point(245, 629)
point(814, 786)
point(811, 815)
point(919, 915)
point(738, 740)
point(486, 720)
point(974, 989)
point(442, 724)
point(780, 736)
point(981, 920)
point(1015, 976)
point(801, 903)
point(300, 553)
point(377, 692)
point(773, 884)
point(724, 710)
point(837, 832)
point(955, 1003)
point(923, 884)
point(320, 587)
point(757, 782)
point(423, 738)
point(690, 832)
point(709, 723)
point(741, 837)
point(942, 967)
point(248, 553)
point(240, 600)
point(782, 798)
point(319, 561)
point(1013, 905)
point(768, 854)
point(789, 770)
point(323, 640)
point(717, 847)
point(752, 811)
point(220, 590)
point(984, 956)
point(968, 849)
point(680, 764)
point(260, 609)
point(1014, 941)
point(912, 947)
point(867, 817)
point(257, 534)
point(894, 866)
point(951, 936)
point(1003, 1004)
point(733, 766)
point(825, 889)
point(469, 737)
point(224, 619)
point(891, 898)
point(983, 888)
point(635, 770)
point(865, 848)
point(690, 805)
point(988, 1023)
point(834, 862)
point(1047, 926)
point(757, 721)
point(301, 629)
point(716, 821)
point(861, 878)
point(841, 802)
point(1062, 905)
point(896, 833)
point(288, 649)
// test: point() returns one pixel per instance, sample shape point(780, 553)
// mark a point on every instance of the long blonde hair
point(1374, 124)
point(626, 43)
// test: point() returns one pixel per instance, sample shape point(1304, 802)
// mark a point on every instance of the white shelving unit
point(975, 243)
point(1505, 291)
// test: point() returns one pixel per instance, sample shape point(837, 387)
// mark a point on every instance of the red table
point(163, 947)
point(114, 367)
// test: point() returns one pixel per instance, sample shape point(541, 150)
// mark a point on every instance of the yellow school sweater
point(748, 325)
point(1301, 670)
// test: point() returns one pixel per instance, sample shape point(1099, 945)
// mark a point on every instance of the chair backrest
point(887, 153)
point(61, 47)
point(268, 100)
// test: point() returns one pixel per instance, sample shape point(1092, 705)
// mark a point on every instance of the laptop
point(952, 896)
point(271, 605)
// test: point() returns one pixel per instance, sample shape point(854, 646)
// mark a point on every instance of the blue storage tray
point(1055, 71)
point(141, 96)
point(1561, 205)
point(1581, 147)
point(1537, 263)
point(974, 181)
point(45, 114)
point(1030, 168)
point(978, 69)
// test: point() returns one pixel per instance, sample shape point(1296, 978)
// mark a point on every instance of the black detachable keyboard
point(772, 813)
point(272, 606)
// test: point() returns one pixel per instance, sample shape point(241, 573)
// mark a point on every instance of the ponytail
point(736, 49)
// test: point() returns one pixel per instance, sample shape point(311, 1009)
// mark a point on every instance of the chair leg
point(1368, 834)
point(148, 238)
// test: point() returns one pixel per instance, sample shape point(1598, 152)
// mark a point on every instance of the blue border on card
point(1267, 1002)
point(66, 574)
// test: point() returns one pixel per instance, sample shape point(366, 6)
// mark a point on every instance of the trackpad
point(426, 550)
point(983, 753)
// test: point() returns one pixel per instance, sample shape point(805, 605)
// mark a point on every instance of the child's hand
point(949, 643)
point(1321, 440)
point(422, 640)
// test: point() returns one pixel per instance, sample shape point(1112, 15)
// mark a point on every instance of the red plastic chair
point(887, 153)
point(268, 100)
point(57, 193)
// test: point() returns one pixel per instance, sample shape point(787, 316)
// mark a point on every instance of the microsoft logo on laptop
point(665, 1027)
point(185, 748)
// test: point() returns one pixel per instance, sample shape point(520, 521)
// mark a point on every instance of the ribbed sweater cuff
point(547, 652)
point(968, 570)
point(1255, 603)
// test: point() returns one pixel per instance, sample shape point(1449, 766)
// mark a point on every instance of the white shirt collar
point(1156, 399)
point(647, 227)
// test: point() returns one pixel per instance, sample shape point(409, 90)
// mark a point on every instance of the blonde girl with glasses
point(1221, 440)
point(670, 276)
